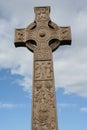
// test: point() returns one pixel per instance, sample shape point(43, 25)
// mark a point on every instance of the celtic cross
point(42, 37)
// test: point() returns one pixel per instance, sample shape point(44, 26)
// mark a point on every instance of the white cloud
point(69, 62)
point(10, 105)
point(71, 75)
point(66, 105)
point(26, 83)
point(83, 109)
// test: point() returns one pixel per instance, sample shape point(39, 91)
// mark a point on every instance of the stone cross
point(43, 37)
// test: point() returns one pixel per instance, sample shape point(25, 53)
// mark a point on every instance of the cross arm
point(59, 36)
point(65, 35)
point(23, 37)
point(19, 40)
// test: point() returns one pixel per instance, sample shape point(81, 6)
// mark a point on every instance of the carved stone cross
point(43, 37)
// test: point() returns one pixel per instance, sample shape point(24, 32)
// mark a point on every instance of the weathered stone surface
point(43, 37)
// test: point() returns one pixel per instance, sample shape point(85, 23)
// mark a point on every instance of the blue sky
point(16, 65)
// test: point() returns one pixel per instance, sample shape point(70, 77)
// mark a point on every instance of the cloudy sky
point(70, 65)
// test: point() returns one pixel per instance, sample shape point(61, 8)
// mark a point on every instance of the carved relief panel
point(44, 106)
point(20, 35)
point(43, 53)
point(43, 70)
point(44, 92)
point(42, 13)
